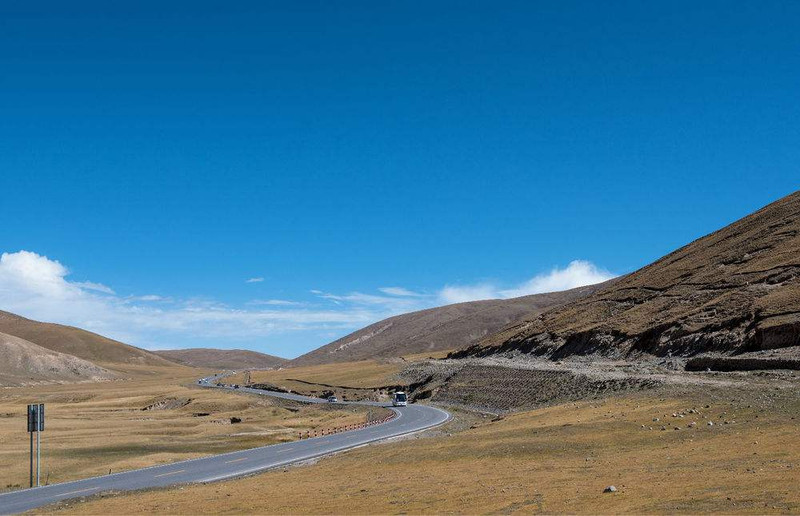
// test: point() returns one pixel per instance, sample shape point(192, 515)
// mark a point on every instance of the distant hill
point(25, 363)
point(436, 329)
point(74, 341)
point(733, 291)
point(222, 358)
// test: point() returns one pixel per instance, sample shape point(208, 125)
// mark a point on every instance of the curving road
point(412, 418)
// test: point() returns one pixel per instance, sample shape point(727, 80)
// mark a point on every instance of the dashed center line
point(79, 491)
point(235, 460)
point(170, 473)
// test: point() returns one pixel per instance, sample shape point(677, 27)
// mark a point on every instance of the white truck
point(399, 399)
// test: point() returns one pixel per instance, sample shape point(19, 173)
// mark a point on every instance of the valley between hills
point(677, 384)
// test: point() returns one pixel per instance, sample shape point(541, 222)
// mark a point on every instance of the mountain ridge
point(733, 291)
point(76, 342)
point(436, 329)
point(212, 358)
point(26, 363)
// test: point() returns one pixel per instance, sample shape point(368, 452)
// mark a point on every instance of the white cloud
point(35, 286)
point(97, 287)
point(400, 291)
point(254, 280)
point(392, 304)
point(463, 293)
point(578, 273)
point(273, 302)
point(148, 297)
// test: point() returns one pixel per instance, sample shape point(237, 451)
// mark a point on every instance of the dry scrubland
point(96, 427)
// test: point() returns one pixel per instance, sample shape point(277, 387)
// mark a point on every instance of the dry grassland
point(552, 460)
point(366, 374)
point(94, 428)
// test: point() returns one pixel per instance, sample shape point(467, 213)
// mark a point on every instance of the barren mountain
point(436, 329)
point(736, 290)
point(222, 358)
point(76, 342)
point(25, 363)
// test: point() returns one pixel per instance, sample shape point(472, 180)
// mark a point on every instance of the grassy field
point(159, 416)
point(557, 459)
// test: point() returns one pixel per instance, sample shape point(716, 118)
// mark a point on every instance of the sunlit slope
point(735, 290)
point(25, 363)
point(74, 341)
point(222, 358)
point(436, 329)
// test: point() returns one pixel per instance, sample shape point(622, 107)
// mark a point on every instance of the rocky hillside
point(25, 363)
point(222, 358)
point(74, 341)
point(436, 329)
point(736, 290)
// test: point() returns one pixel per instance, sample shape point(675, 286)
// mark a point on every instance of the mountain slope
point(222, 358)
point(74, 341)
point(436, 329)
point(25, 363)
point(733, 291)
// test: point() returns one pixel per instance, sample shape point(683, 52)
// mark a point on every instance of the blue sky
point(160, 155)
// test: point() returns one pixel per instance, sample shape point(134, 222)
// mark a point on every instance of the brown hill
point(733, 291)
point(74, 341)
point(222, 358)
point(436, 329)
point(25, 363)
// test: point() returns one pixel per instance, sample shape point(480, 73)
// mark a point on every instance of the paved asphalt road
point(228, 465)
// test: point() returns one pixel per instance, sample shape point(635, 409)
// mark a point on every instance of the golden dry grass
point(553, 460)
point(92, 428)
point(364, 374)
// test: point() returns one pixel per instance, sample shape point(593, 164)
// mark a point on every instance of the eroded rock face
point(734, 291)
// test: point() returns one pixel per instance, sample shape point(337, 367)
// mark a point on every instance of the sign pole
point(38, 457)
point(31, 459)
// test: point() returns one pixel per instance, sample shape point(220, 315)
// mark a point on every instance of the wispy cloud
point(97, 287)
point(148, 298)
point(254, 280)
point(273, 302)
point(392, 304)
point(400, 291)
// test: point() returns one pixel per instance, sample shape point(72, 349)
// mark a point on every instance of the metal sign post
point(36, 424)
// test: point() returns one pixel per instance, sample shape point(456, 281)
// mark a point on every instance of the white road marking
point(79, 491)
point(170, 473)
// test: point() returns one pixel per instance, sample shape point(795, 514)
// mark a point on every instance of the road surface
point(412, 418)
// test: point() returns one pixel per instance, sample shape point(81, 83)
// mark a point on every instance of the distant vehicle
point(400, 399)
point(333, 399)
point(235, 386)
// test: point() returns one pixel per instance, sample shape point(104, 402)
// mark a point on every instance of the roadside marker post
point(36, 425)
